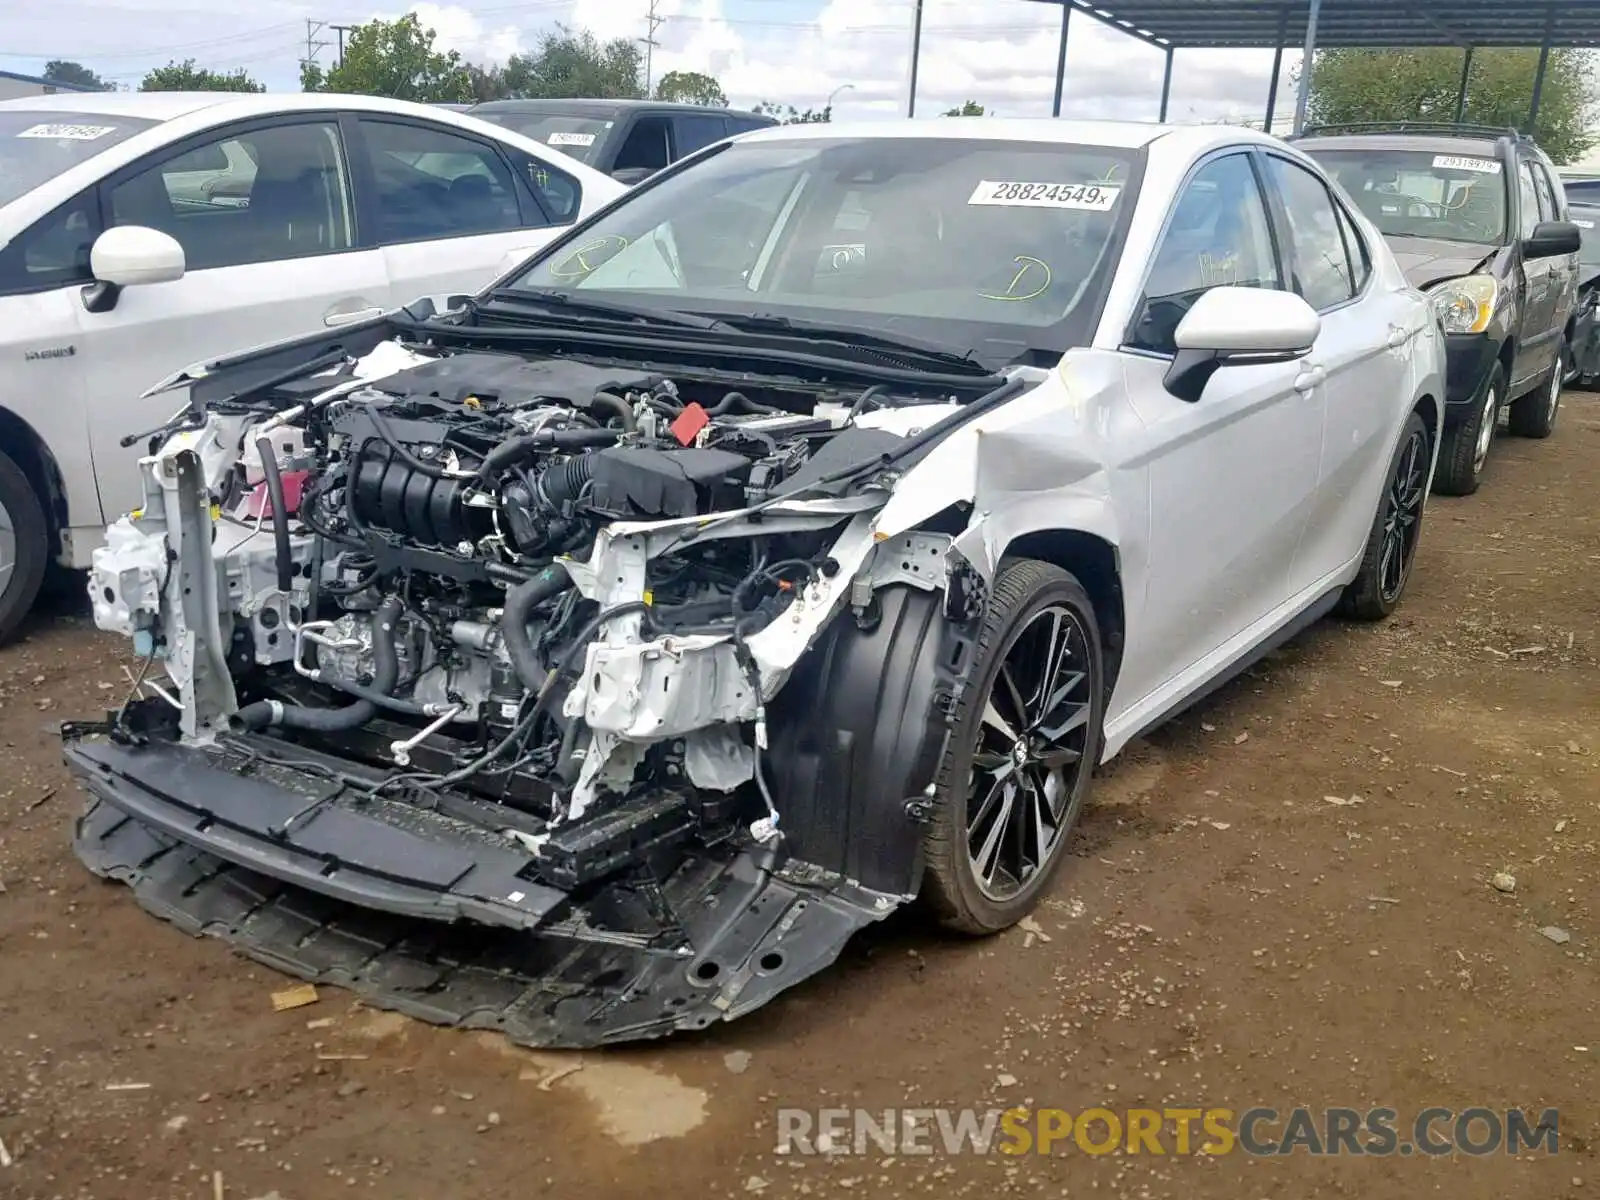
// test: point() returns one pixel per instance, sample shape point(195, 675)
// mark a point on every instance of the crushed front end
point(583, 701)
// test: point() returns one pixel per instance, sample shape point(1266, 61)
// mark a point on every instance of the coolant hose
point(619, 406)
point(385, 674)
point(521, 600)
point(280, 513)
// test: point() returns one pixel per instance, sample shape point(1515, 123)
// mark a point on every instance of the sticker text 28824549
point(1091, 197)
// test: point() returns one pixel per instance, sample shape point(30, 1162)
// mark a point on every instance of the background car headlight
point(1465, 305)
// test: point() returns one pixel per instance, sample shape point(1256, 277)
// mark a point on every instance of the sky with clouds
point(1001, 53)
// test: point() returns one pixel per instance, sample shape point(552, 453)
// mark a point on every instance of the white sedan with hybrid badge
point(140, 231)
point(594, 658)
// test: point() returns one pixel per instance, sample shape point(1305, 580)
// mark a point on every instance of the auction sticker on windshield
point(1093, 197)
point(1482, 166)
point(68, 133)
point(571, 139)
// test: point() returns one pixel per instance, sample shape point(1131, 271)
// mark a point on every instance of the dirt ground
point(1285, 898)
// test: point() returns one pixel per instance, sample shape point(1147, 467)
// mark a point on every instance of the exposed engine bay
point(481, 635)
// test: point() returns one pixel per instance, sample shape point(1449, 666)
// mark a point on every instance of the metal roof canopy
point(1171, 25)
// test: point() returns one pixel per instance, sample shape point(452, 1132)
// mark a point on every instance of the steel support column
point(1544, 64)
point(916, 50)
point(1461, 92)
point(1166, 85)
point(1061, 59)
point(1277, 70)
point(1305, 66)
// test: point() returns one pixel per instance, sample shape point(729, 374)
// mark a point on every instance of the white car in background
point(141, 232)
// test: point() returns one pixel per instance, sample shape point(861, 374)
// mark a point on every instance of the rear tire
point(1464, 448)
point(24, 547)
point(1396, 530)
point(1534, 416)
point(1025, 741)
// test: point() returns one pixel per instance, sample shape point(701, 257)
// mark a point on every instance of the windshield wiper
point(550, 298)
point(848, 335)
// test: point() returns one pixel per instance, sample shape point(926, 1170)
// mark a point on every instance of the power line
point(156, 51)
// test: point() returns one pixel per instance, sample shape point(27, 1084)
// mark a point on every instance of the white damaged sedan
point(591, 658)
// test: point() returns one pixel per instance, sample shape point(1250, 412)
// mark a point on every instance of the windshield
point(577, 137)
point(1420, 193)
point(36, 146)
point(951, 240)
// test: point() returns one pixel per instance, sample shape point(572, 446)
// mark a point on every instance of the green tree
point(575, 63)
point(395, 59)
point(62, 71)
point(186, 77)
point(691, 87)
point(487, 83)
point(788, 114)
point(970, 109)
point(1422, 85)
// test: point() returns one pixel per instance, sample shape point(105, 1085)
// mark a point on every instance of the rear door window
point(695, 132)
point(431, 182)
point(647, 146)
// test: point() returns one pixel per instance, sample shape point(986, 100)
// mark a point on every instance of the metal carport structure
point(1173, 25)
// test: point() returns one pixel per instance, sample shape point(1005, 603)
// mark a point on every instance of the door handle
point(1397, 337)
point(334, 319)
point(1310, 379)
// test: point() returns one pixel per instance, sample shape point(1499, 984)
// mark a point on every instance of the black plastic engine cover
point(511, 380)
point(638, 481)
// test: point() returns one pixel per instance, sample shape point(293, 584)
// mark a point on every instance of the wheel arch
point(23, 445)
point(1097, 564)
point(1427, 405)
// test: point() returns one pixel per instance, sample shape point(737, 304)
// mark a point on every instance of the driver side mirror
point(128, 256)
point(1238, 326)
point(1552, 239)
point(632, 175)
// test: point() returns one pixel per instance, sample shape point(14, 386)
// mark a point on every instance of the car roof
point(182, 114)
point(1122, 135)
point(1438, 143)
point(580, 105)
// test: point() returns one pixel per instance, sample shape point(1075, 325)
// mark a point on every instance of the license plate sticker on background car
point(1451, 162)
point(1094, 197)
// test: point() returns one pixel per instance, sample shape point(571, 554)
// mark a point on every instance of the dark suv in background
point(630, 140)
point(1477, 219)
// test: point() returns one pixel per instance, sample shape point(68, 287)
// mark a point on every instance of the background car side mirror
point(1238, 326)
point(128, 256)
point(632, 175)
point(1552, 239)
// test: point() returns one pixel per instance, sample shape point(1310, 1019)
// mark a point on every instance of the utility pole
point(649, 42)
point(341, 30)
point(313, 43)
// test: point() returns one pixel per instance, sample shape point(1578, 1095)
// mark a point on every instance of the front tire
point(24, 547)
point(1026, 739)
point(1534, 416)
point(1464, 449)
point(1396, 531)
